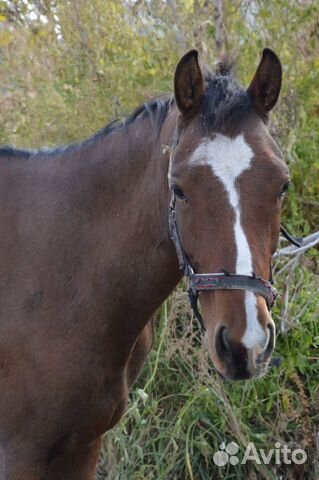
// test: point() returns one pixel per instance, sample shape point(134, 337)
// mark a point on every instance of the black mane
point(225, 103)
point(8, 151)
point(156, 109)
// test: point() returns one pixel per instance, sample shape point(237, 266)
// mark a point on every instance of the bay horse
point(92, 239)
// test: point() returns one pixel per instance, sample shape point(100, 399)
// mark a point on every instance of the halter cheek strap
point(294, 240)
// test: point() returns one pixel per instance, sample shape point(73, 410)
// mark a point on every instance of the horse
point(96, 235)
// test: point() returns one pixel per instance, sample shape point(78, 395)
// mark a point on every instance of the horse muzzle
point(236, 362)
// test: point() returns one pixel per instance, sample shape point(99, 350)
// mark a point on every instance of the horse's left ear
point(265, 87)
point(188, 84)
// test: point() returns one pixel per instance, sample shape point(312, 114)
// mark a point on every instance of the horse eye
point(285, 189)
point(179, 193)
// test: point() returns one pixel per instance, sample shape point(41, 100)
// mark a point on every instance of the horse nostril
point(223, 347)
point(271, 340)
point(269, 347)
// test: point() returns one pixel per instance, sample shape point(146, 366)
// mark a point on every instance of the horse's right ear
point(188, 84)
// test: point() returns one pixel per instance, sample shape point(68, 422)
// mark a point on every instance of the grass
point(180, 412)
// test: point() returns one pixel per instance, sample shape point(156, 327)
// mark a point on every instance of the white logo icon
point(227, 453)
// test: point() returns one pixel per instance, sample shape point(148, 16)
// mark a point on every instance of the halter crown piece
point(199, 282)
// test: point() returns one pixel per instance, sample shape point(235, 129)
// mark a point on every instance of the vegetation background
point(68, 67)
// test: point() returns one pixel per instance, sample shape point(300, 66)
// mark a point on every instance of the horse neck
point(139, 264)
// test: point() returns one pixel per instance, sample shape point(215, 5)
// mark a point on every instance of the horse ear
point(265, 87)
point(188, 84)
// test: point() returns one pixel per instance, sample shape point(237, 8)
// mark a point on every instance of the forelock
point(226, 103)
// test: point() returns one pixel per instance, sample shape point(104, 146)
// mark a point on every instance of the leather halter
point(199, 282)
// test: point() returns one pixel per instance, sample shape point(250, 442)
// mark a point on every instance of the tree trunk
point(220, 35)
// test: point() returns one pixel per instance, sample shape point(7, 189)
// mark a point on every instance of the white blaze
point(228, 159)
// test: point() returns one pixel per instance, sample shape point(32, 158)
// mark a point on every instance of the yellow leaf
point(5, 39)
point(3, 18)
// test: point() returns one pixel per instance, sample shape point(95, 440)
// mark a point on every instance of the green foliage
point(66, 68)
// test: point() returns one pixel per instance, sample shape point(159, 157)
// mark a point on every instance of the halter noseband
point(199, 282)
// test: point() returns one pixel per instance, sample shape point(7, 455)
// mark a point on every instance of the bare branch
point(308, 242)
point(220, 35)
